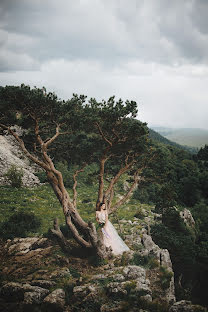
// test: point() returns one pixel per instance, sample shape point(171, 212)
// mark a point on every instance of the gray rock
point(12, 291)
point(165, 259)
point(55, 301)
point(82, 291)
point(98, 277)
point(134, 272)
point(22, 246)
point(43, 283)
point(60, 273)
point(142, 286)
point(150, 246)
point(11, 154)
point(115, 306)
point(186, 306)
point(147, 297)
point(35, 295)
point(118, 289)
point(187, 217)
point(23, 292)
point(118, 278)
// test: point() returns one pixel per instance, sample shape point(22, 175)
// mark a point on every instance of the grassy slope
point(43, 203)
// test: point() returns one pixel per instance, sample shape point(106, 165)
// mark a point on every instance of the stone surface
point(23, 292)
point(35, 295)
point(12, 291)
point(21, 246)
point(186, 306)
point(83, 291)
point(134, 272)
point(187, 217)
point(43, 283)
point(11, 154)
point(55, 301)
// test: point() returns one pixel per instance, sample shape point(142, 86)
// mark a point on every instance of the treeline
point(178, 180)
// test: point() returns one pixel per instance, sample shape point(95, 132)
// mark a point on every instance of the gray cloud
point(110, 30)
point(154, 52)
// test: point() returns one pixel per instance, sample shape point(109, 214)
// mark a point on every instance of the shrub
point(139, 260)
point(42, 176)
point(14, 175)
point(19, 225)
point(165, 277)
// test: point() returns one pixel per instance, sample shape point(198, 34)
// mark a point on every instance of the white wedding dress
point(110, 235)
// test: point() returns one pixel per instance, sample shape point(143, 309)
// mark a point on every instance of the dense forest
point(164, 175)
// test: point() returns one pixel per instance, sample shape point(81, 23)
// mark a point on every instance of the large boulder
point(186, 306)
point(187, 218)
point(21, 246)
point(17, 292)
point(55, 301)
point(12, 155)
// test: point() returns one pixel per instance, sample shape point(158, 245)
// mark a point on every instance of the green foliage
point(14, 175)
point(166, 198)
point(42, 176)
point(74, 272)
point(171, 218)
point(130, 286)
point(68, 288)
point(87, 177)
point(147, 261)
point(96, 261)
point(139, 260)
point(19, 225)
point(203, 153)
point(165, 277)
point(160, 138)
point(39, 201)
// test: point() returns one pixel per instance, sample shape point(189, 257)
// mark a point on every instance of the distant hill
point(193, 137)
point(159, 138)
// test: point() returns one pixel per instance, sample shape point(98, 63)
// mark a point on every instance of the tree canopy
point(80, 132)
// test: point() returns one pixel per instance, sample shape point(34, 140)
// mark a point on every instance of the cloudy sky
point(154, 52)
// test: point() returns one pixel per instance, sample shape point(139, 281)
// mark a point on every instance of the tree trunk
point(75, 222)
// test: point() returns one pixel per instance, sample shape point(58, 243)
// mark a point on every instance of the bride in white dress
point(110, 235)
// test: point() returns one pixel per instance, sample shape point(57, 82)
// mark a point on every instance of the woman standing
point(110, 235)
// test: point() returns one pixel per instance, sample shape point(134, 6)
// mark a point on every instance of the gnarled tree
point(106, 133)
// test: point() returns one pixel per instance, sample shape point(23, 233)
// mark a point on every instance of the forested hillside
point(185, 136)
point(90, 152)
point(156, 136)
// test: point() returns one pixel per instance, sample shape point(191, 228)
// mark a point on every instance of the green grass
point(43, 203)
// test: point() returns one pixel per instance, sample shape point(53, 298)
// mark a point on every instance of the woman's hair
point(99, 206)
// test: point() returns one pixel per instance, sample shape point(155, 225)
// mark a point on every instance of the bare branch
point(48, 142)
point(101, 180)
point(137, 178)
point(46, 157)
point(75, 184)
point(102, 134)
point(118, 175)
point(76, 234)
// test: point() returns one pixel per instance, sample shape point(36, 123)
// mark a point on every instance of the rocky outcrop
point(186, 306)
point(12, 155)
point(24, 293)
point(21, 246)
point(142, 276)
point(55, 301)
point(187, 218)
